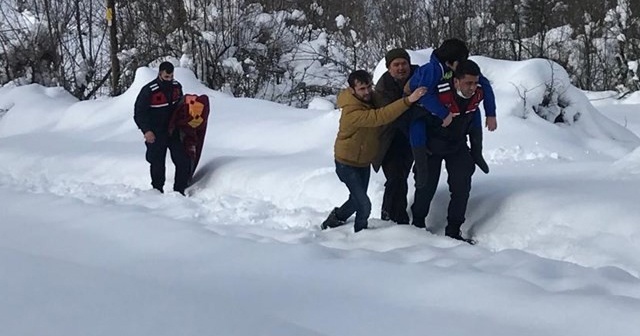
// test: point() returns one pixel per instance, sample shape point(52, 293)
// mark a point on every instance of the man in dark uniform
point(155, 103)
point(395, 155)
point(461, 96)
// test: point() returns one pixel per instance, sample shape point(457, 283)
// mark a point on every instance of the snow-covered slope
point(76, 204)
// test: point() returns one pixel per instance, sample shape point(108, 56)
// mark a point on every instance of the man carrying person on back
point(440, 68)
point(461, 97)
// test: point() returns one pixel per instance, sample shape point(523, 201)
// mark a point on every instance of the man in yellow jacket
point(357, 144)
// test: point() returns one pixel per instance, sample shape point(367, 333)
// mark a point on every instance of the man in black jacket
point(395, 155)
point(155, 103)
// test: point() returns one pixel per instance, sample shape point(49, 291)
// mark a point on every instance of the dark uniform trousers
point(157, 155)
point(460, 167)
point(396, 167)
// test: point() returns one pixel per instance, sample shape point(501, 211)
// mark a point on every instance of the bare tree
point(27, 43)
point(252, 47)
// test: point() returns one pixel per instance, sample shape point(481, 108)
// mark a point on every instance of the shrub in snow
point(556, 108)
point(556, 104)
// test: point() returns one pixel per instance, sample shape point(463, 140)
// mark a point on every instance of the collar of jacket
point(388, 83)
point(345, 97)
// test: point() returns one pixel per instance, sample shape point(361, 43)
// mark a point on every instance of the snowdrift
point(268, 167)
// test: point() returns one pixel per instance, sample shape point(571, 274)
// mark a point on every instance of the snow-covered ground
point(86, 248)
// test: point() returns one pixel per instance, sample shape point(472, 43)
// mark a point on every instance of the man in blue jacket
point(442, 134)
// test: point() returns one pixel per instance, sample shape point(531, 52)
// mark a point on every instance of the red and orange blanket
point(191, 119)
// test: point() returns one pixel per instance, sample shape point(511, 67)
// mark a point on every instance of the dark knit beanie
point(396, 53)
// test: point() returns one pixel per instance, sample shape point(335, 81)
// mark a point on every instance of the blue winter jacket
point(430, 75)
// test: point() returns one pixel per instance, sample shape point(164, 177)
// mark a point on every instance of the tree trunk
point(113, 39)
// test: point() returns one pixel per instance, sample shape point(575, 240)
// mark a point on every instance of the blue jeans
point(357, 181)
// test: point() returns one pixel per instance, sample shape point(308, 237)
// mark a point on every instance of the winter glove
point(420, 168)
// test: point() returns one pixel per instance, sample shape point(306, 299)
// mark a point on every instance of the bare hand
point(149, 137)
point(447, 120)
point(491, 123)
point(417, 94)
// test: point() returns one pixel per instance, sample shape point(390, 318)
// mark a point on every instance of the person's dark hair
point(467, 67)
point(452, 50)
point(166, 67)
point(361, 76)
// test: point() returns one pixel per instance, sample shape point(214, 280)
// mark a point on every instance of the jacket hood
point(435, 59)
point(345, 97)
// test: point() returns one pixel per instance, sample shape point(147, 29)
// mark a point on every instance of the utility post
point(113, 39)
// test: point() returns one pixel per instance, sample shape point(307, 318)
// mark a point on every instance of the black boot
point(384, 215)
point(402, 218)
point(453, 231)
point(419, 222)
point(357, 227)
point(475, 141)
point(332, 221)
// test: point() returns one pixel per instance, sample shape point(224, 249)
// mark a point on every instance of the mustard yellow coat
point(358, 136)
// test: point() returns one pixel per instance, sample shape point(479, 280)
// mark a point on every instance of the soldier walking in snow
point(461, 96)
point(439, 70)
point(153, 109)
